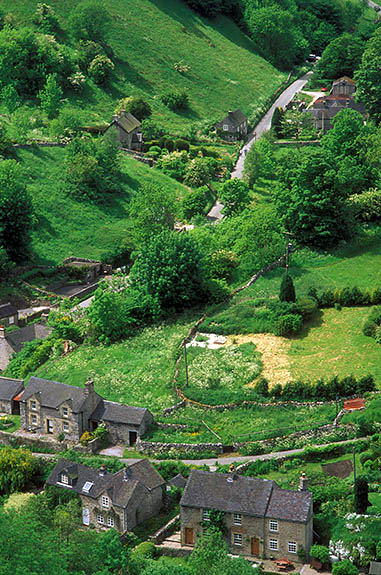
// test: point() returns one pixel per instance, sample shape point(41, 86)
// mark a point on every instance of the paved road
point(265, 124)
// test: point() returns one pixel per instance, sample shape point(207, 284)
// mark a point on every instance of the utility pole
point(186, 363)
point(354, 465)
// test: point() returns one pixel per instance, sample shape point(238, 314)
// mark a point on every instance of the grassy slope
point(148, 38)
point(66, 226)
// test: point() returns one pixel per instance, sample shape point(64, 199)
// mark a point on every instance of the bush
point(288, 324)
point(175, 100)
point(89, 20)
point(145, 550)
point(320, 553)
point(136, 106)
point(100, 69)
point(372, 323)
point(287, 290)
point(367, 205)
point(194, 203)
point(344, 567)
point(181, 145)
point(307, 306)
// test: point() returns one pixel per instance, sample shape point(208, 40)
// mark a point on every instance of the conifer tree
point(287, 290)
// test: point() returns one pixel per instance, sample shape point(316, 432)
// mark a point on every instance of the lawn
point(66, 226)
point(148, 37)
point(15, 419)
point(334, 344)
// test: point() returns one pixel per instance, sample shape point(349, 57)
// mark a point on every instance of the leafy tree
point(368, 76)
point(136, 106)
point(200, 171)
point(175, 100)
point(170, 269)
point(152, 210)
point(276, 121)
point(17, 467)
point(173, 165)
point(89, 20)
point(344, 567)
point(361, 495)
point(234, 194)
point(100, 69)
point(46, 20)
point(341, 57)
point(10, 98)
point(194, 203)
point(294, 123)
point(50, 96)
point(287, 290)
point(342, 140)
point(16, 211)
point(5, 265)
point(210, 8)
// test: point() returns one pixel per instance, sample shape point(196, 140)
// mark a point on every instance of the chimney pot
point(89, 386)
point(303, 483)
point(123, 113)
point(102, 470)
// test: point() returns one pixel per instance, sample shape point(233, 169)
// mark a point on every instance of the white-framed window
point(225, 127)
point(64, 478)
point(237, 519)
point(11, 320)
point(65, 412)
point(237, 538)
point(33, 404)
point(105, 501)
point(100, 519)
point(34, 419)
point(292, 547)
point(65, 427)
point(273, 525)
point(205, 515)
point(110, 522)
point(273, 544)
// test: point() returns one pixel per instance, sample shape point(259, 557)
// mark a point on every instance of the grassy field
point(148, 37)
point(66, 226)
point(15, 419)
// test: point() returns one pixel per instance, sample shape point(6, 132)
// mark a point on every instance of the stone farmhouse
point(8, 315)
point(340, 98)
point(233, 127)
point(121, 500)
point(14, 341)
point(261, 519)
point(54, 408)
point(127, 130)
point(9, 389)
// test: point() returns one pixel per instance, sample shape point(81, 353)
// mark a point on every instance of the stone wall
point(19, 439)
point(157, 447)
point(165, 531)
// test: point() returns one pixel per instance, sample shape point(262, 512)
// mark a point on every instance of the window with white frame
point(34, 419)
point(273, 526)
point(65, 427)
point(273, 544)
point(65, 412)
point(105, 501)
point(100, 519)
point(64, 478)
point(225, 127)
point(33, 404)
point(237, 538)
point(11, 319)
point(205, 515)
point(110, 522)
point(292, 547)
point(237, 519)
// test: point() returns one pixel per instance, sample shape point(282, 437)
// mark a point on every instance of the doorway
point(189, 536)
point(49, 426)
point(254, 546)
point(133, 435)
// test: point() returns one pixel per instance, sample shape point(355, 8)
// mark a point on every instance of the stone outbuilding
point(234, 127)
point(124, 423)
point(128, 130)
point(261, 519)
point(8, 315)
point(9, 390)
point(14, 341)
point(343, 86)
point(121, 500)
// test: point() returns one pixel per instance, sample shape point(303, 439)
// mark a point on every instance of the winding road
point(265, 124)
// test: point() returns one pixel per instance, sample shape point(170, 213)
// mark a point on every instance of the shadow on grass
point(315, 321)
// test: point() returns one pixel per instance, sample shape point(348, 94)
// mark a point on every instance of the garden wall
point(155, 447)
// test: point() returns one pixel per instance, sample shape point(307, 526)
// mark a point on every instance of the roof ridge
point(11, 378)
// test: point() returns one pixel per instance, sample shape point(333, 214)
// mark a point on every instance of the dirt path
point(274, 350)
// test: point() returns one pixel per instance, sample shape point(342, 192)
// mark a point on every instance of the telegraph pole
point(186, 363)
point(354, 465)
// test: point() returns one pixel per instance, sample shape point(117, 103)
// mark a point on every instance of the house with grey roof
point(54, 408)
point(8, 315)
point(127, 129)
point(14, 341)
point(10, 388)
point(233, 127)
point(260, 518)
point(121, 500)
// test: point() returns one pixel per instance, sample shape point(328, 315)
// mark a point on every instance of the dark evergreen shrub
point(287, 290)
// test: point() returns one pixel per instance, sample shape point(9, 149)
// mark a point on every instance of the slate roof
point(208, 490)
point(127, 122)
point(344, 79)
point(53, 394)
point(7, 309)
point(246, 495)
point(119, 486)
point(375, 568)
point(178, 481)
point(235, 118)
point(118, 413)
point(9, 388)
point(30, 332)
point(6, 352)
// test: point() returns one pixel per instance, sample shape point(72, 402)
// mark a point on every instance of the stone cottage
point(9, 390)
point(8, 315)
point(121, 500)
point(343, 86)
point(55, 408)
point(261, 519)
point(233, 127)
point(127, 130)
point(14, 341)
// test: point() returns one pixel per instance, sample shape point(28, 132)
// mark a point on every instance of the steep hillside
point(148, 37)
point(65, 226)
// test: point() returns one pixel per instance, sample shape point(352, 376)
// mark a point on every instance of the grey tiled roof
point(30, 332)
point(118, 413)
point(119, 486)
point(209, 490)
point(178, 481)
point(246, 495)
point(128, 123)
point(53, 393)
point(236, 118)
point(7, 309)
point(375, 568)
point(9, 388)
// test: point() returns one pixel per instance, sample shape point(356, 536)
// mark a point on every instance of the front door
point(189, 536)
point(133, 437)
point(49, 426)
point(254, 546)
point(85, 516)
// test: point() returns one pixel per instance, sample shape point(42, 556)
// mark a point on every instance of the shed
point(10, 388)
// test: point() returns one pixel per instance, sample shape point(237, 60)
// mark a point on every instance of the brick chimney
point(115, 118)
point(303, 483)
point(230, 113)
point(102, 470)
point(2, 332)
point(123, 113)
point(89, 387)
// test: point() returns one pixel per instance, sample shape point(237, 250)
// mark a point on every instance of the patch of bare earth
point(274, 351)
